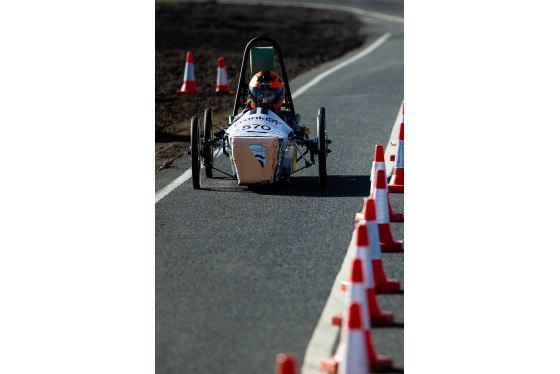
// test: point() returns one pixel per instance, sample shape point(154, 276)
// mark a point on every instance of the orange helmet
point(266, 87)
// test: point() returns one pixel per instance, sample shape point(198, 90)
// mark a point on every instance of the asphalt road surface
point(243, 274)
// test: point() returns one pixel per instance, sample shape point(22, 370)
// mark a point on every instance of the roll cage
point(261, 58)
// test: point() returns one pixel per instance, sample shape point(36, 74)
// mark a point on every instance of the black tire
point(207, 149)
point(195, 152)
point(322, 149)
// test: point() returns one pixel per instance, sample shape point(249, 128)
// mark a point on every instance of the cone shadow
point(393, 370)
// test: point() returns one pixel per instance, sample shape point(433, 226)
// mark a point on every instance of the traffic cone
point(397, 180)
point(285, 364)
point(395, 142)
point(382, 284)
point(361, 286)
point(222, 85)
point(354, 359)
point(189, 85)
point(355, 353)
point(380, 159)
point(377, 164)
point(386, 241)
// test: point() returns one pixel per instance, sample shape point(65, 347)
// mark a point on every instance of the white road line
point(361, 12)
point(173, 185)
point(188, 174)
point(325, 74)
point(343, 8)
point(180, 180)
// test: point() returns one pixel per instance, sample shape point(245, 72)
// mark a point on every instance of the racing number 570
point(256, 127)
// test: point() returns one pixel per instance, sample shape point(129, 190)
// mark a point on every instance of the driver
point(266, 89)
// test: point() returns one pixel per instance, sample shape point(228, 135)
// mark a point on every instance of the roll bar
point(243, 85)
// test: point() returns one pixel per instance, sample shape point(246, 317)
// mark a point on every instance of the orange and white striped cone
point(386, 241)
point(361, 286)
point(222, 82)
point(189, 85)
point(378, 164)
point(395, 142)
point(354, 358)
point(355, 353)
point(379, 159)
point(285, 364)
point(382, 284)
point(355, 291)
point(397, 180)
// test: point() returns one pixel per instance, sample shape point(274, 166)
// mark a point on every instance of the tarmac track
point(243, 274)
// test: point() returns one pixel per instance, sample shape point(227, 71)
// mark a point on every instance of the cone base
point(386, 241)
point(380, 363)
point(329, 364)
point(384, 319)
point(397, 217)
point(223, 89)
point(377, 362)
point(336, 320)
point(188, 87)
point(396, 246)
point(382, 284)
point(388, 286)
point(395, 188)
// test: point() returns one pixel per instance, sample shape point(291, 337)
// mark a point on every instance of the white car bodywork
point(260, 148)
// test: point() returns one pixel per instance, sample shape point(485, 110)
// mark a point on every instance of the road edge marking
point(339, 66)
point(173, 185)
point(325, 336)
point(179, 180)
point(344, 8)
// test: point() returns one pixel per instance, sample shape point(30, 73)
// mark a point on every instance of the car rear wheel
point(195, 152)
point(322, 147)
point(207, 149)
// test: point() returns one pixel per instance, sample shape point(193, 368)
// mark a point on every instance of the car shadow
point(337, 186)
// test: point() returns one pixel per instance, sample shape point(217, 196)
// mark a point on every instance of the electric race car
point(264, 142)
